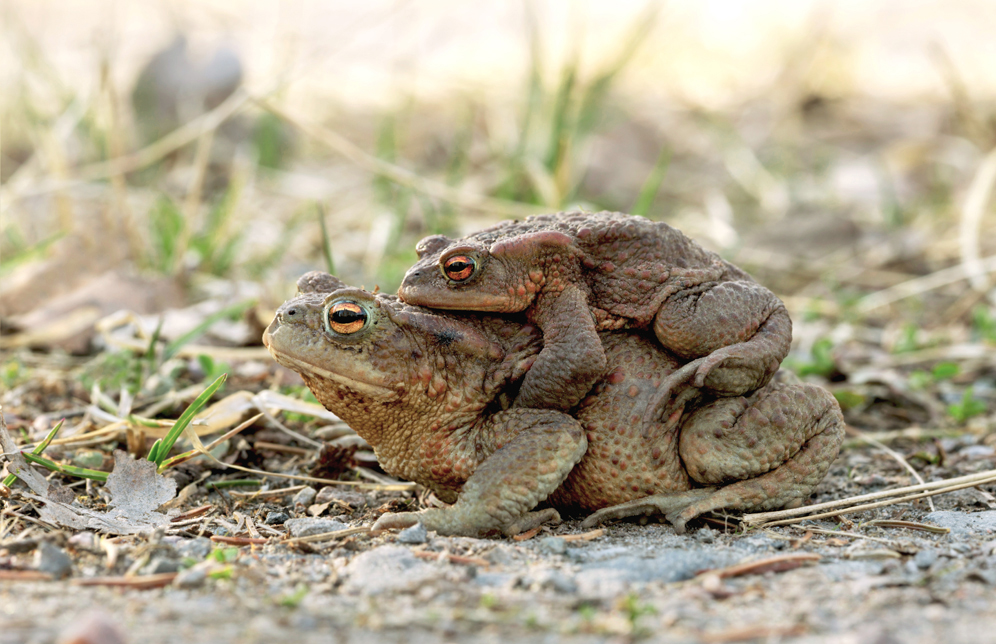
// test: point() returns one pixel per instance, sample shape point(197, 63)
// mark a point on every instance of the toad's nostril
point(291, 312)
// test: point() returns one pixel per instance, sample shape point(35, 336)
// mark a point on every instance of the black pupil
point(458, 266)
point(348, 316)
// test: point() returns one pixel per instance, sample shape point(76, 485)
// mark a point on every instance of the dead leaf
point(137, 490)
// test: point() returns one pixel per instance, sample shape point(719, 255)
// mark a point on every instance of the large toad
point(575, 274)
point(431, 392)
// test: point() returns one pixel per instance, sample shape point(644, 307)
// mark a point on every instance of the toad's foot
point(666, 504)
point(663, 405)
point(532, 452)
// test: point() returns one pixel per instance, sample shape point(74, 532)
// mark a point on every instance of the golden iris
point(347, 317)
point(459, 267)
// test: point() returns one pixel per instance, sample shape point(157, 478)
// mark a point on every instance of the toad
point(575, 274)
point(433, 392)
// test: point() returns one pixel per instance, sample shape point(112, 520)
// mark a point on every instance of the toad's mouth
point(307, 368)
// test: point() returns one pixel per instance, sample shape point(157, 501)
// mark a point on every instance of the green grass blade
point(70, 470)
point(38, 449)
point(28, 254)
point(326, 241)
point(652, 185)
point(219, 485)
point(184, 420)
point(234, 310)
point(154, 450)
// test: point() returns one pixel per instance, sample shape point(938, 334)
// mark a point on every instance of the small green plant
point(157, 454)
point(211, 368)
point(920, 379)
point(635, 609)
point(38, 449)
point(294, 599)
point(848, 399)
point(160, 449)
point(224, 555)
point(984, 324)
point(907, 340)
point(12, 373)
point(166, 227)
point(217, 242)
point(587, 612)
point(651, 186)
point(968, 407)
point(821, 363)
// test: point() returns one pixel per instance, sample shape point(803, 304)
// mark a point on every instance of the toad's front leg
point(529, 454)
point(572, 359)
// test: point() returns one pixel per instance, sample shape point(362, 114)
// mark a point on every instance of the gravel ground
point(635, 582)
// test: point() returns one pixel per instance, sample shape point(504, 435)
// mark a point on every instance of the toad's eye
point(459, 267)
point(346, 317)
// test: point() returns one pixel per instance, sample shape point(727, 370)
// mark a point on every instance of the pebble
point(550, 579)
point(389, 568)
point(197, 548)
point(52, 559)
point(705, 535)
point(306, 527)
point(276, 517)
point(612, 576)
point(159, 565)
point(925, 558)
point(191, 578)
point(553, 545)
point(95, 627)
point(964, 523)
point(304, 498)
point(977, 452)
point(329, 494)
point(85, 541)
point(413, 534)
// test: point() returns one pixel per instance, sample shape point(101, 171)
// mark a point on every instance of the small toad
point(575, 274)
point(433, 392)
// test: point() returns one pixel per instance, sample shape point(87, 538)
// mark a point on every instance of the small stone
point(985, 576)
point(160, 565)
point(309, 526)
point(277, 517)
point(554, 545)
point(330, 494)
point(964, 523)
point(389, 568)
point(92, 628)
point(85, 541)
point(550, 579)
point(977, 452)
point(190, 578)
point(705, 535)
point(413, 534)
point(304, 498)
point(925, 558)
point(197, 548)
point(53, 560)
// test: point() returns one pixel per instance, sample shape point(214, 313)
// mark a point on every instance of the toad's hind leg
point(768, 451)
point(759, 453)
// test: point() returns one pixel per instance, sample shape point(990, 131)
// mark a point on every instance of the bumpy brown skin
point(431, 392)
point(575, 274)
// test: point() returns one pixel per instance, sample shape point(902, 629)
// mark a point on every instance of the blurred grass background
point(829, 147)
